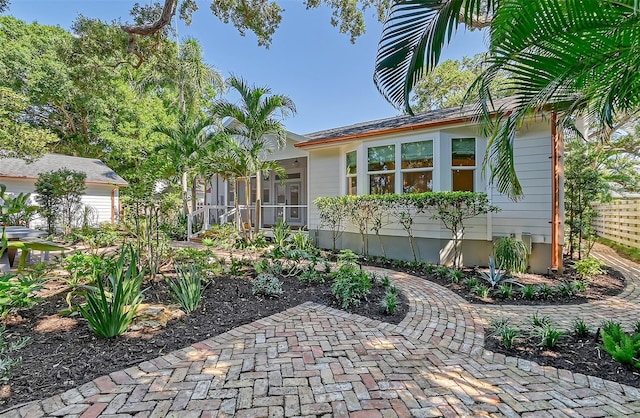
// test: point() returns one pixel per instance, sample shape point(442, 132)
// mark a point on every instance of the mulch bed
point(600, 286)
point(68, 354)
point(580, 355)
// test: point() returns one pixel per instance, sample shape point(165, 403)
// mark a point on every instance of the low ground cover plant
point(8, 359)
point(266, 284)
point(17, 291)
point(588, 267)
point(623, 347)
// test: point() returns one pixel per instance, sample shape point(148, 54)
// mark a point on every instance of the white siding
point(325, 179)
point(98, 196)
point(529, 215)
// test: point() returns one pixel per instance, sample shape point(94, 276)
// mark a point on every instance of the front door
point(289, 195)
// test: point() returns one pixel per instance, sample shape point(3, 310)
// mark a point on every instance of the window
point(417, 167)
point(352, 173)
point(463, 163)
point(381, 169)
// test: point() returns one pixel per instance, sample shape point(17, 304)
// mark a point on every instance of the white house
point(101, 194)
point(438, 150)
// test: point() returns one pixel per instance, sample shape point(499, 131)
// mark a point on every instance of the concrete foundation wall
point(429, 250)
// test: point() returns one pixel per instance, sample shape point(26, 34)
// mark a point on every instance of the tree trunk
point(258, 202)
point(194, 199)
point(185, 204)
point(247, 188)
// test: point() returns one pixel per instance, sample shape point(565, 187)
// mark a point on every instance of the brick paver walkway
point(316, 361)
point(624, 308)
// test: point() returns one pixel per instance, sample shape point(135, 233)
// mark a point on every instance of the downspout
point(113, 204)
point(557, 167)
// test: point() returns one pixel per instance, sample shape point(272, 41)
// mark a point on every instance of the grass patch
point(625, 251)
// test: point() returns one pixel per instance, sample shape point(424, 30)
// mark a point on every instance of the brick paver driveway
point(315, 361)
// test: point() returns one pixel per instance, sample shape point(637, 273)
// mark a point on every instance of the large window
point(417, 167)
point(352, 173)
point(381, 169)
point(463, 164)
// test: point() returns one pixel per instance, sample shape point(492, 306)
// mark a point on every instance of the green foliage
point(106, 235)
point(111, 309)
point(549, 335)
point(569, 288)
point(186, 288)
point(86, 268)
point(503, 329)
point(454, 275)
point(623, 347)
point(267, 285)
point(625, 251)
point(581, 329)
point(545, 291)
point(540, 321)
point(511, 255)
point(448, 83)
point(496, 277)
point(16, 292)
point(588, 267)
point(350, 283)
point(311, 275)
point(481, 290)
point(443, 271)
point(390, 302)
point(471, 283)
point(15, 210)
point(332, 213)
point(505, 291)
point(8, 362)
point(529, 291)
point(59, 195)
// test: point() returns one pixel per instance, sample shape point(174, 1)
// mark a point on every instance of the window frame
point(471, 168)
point(350, 176)
point(430, 169)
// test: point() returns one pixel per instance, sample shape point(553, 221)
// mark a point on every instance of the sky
point(328, 78)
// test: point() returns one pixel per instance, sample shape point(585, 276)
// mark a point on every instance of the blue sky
point(328, 78)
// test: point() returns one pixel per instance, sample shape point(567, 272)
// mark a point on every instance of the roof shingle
point(96, 170)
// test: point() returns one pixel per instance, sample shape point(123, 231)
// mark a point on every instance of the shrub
point(311, 275)
point(506, 291)
point(481, 290)
point(442, 271)
point(111, 311)
point(390, 302)
point(471, 282)
point(350, 288)
point(85, 268)
point(529, 291)
point(549, 336)
point(540, 321)
point(59, 195)
point(621, 346)
point(187, 288)
point(16, 291)
point(454, 275)
point(507, 334)
point(588, 267)
point(566, 289)
point(7, 361)
point(545, 291)
point(511, 254)
point(267, 285)
point(580, 328)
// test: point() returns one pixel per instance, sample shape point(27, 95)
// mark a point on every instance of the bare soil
point(580, 355)
point(64, 353)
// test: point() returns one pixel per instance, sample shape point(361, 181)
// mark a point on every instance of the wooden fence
point(619, 221)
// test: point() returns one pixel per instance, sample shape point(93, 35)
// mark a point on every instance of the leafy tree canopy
point(449, 83)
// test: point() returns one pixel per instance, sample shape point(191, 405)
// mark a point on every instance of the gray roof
point(96, 170)
point(402, 121)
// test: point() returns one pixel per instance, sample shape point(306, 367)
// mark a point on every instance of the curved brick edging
point(623, 308)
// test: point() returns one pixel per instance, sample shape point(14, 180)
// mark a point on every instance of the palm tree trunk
point(193, 194)
point(185, 204)
point(247, 188)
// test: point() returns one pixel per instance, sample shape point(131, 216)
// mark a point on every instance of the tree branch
point(168, 11)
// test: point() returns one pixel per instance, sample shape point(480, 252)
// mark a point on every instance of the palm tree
point(233, 161)
point(188, 141)
point(193, 78)
point(572, 57)
point(257, 126)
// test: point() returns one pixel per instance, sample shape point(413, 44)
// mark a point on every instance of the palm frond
point(412, 41)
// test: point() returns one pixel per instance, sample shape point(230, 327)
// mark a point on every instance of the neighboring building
point(433, 151)
point(101, 194)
